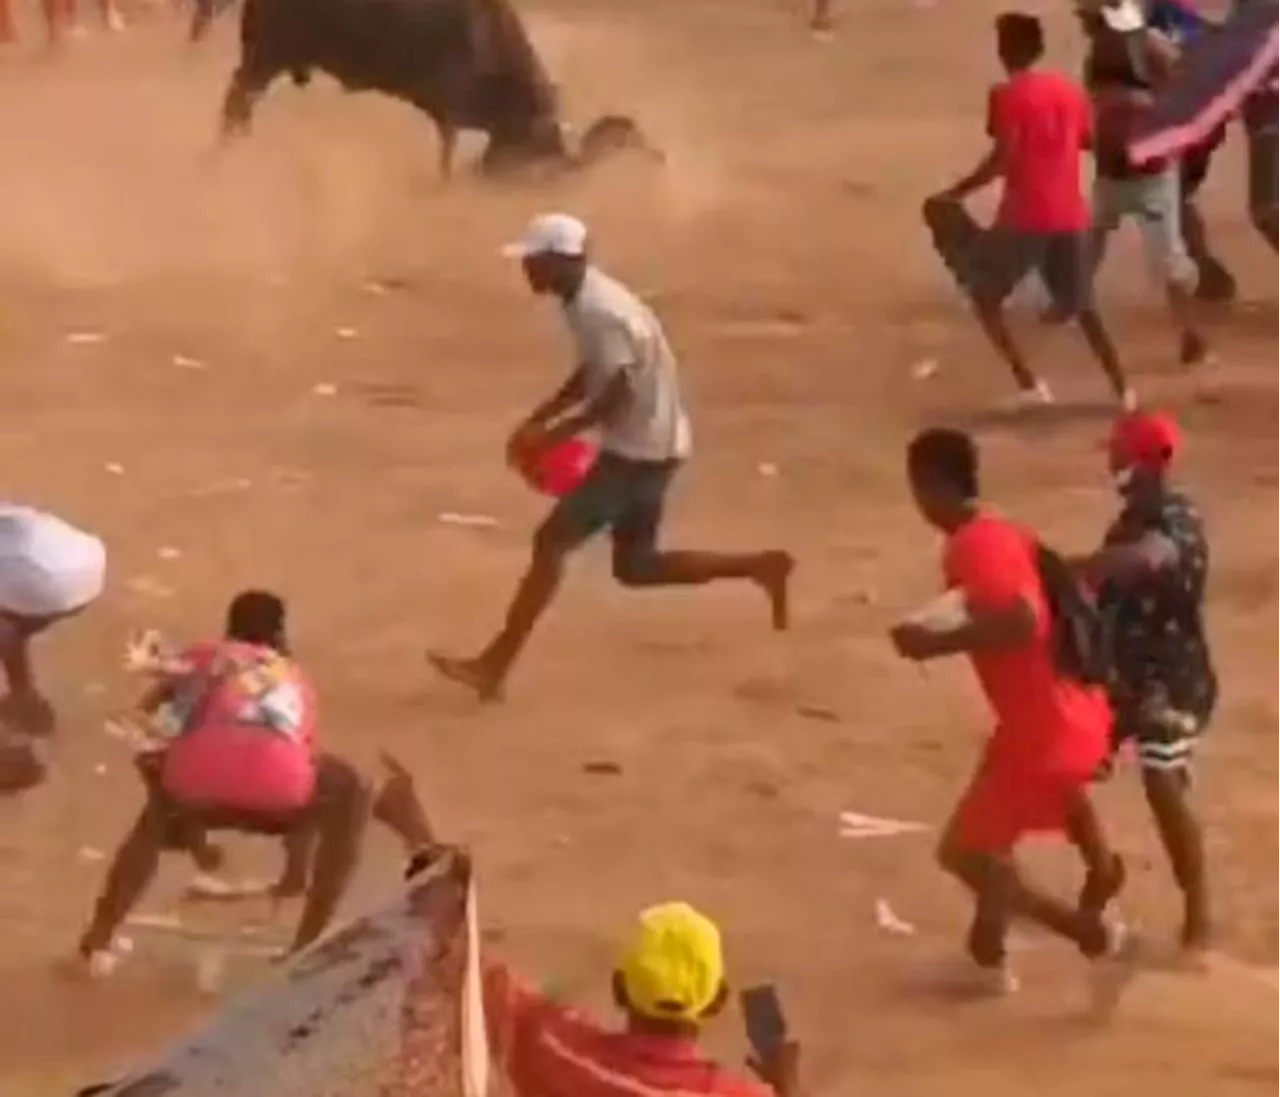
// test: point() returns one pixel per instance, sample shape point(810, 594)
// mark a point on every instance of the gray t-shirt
point(614, 330)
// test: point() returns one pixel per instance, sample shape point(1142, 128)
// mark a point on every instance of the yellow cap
point(674, 968)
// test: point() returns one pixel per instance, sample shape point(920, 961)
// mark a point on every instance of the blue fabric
point(1177, 20)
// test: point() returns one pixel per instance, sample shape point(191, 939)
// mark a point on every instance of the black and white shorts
point(1164, 733)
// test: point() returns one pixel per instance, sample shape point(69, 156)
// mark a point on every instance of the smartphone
point(766, 1025)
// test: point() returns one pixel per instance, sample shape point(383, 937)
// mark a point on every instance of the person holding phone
point(670, 980)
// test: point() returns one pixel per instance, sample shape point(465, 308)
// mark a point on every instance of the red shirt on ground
point(1045, 723)
point(1041, 123)
point(547, 1050)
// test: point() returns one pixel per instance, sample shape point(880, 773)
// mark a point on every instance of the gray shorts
point(620, 495)
point(1263, 164)
point(1154, 203)
point(989, 263)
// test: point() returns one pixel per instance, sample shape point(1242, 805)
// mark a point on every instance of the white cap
point(550, 234)
point(1123, 16)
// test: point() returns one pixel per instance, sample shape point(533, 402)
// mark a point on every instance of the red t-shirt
point(1045, 723)
point(1041, 123)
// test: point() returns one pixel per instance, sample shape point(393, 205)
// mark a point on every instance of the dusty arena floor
point(282, 365)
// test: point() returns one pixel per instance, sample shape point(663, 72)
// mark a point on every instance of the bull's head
point(548, 143)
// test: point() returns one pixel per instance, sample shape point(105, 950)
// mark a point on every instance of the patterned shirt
point(1157, 628)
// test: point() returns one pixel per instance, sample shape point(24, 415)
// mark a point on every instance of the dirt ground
point(309, 350)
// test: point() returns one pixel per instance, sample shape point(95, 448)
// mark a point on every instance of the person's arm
point(990, 167)
point(1162, 53)
point(616, 356)
point(996, 576)
point(988, 170)
point(1009, 626)
point(566, 397)
point(599, 411)
point(1151, 552)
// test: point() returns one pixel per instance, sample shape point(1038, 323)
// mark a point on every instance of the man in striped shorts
point(1151, 573)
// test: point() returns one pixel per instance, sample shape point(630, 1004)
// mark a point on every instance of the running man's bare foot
point(774, 579)
point(475, 674)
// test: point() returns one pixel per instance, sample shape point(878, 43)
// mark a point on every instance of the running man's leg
point(132, 870)
point(1213, 281)
point(341, 814)
point(25, 706)
point(637, 561)
point(1067, 267)
point(1158, 208)
point(1262, 137)
point(977, 848)
point(1165, 740)
point(1004, 258)
point(589, 509)
point(1104, 867)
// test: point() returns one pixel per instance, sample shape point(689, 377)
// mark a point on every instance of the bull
point(467, 64)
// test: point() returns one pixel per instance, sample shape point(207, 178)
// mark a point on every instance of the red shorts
point(239, 768)
point(1003, 805)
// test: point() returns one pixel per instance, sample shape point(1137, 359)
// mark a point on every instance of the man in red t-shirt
point(1052, 732)
point(1040, 124)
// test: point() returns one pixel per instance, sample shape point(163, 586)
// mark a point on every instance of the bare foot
point(774, 578)
point(472, 673)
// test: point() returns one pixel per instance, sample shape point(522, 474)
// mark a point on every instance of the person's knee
point(635, 566)
point(550, 550)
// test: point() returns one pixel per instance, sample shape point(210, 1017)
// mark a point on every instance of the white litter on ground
point(855, 825)
point(888, 921)
point(477, 521)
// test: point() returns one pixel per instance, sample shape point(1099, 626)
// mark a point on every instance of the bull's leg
point(247, 85)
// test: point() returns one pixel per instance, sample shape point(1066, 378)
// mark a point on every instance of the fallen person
point(242, 758)
point(49, 571)
point(669, 982)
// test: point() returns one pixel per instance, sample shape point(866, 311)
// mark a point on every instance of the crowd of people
point(1077, 653)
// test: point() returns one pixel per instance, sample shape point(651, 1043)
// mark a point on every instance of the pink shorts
point(239, 768)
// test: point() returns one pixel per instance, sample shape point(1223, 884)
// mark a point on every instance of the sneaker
point(965, 979)
point(101, 963)
point(1038, 395)
point(1112, 972)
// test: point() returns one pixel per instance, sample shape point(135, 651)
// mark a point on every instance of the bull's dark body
point(466, 63)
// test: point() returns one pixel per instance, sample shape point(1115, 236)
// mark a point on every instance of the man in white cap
point(625, 388)
point(49, 570)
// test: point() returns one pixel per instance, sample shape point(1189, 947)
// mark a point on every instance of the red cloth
point(547, 1050)
point(1041, 123)
point(1002, 806)
point(1047, 726)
